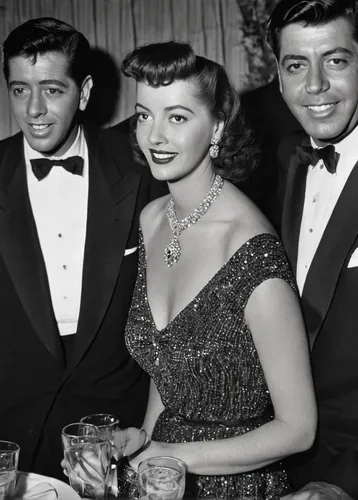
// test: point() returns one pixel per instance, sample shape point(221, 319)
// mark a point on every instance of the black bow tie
point(311, 156)
point(41, 166)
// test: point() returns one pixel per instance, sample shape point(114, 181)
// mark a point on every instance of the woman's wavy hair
point(309, 13)
point(161, 64)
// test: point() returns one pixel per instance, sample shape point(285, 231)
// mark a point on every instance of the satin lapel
point(111, 207)
point(293, 207)
point(336, 242)
point(20, 247)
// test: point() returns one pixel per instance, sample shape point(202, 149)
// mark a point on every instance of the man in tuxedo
point(316, 46)
point(70, 198)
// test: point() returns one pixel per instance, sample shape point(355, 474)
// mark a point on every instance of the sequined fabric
point(206, 368)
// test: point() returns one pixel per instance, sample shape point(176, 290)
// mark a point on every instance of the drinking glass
point(162, 478)
point(106, 424)
point(9, 458)
point(88, 460)
point(78, 430)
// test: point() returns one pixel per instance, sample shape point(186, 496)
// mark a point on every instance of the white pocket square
point(128, 251)
point(353, 261)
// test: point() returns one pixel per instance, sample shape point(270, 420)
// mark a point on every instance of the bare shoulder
point(152, 214)
point(245, 219)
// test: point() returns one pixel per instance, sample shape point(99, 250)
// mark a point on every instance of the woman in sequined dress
point(215, 319)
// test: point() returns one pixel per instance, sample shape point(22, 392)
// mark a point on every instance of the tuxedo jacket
point(39, 392)
point(268, 116)
point(330, 308)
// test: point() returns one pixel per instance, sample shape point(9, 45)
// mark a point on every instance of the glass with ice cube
point(9, 458)
point(161, 478)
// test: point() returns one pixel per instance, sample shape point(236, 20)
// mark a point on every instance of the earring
point(214, 148)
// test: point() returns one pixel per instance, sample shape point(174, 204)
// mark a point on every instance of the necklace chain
point(172, 251)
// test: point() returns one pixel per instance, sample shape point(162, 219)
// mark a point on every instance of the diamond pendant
point(172, 252)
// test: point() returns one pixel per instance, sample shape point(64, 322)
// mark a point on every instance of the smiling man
point(70, 198)
point(45, 101)
point(316, 46)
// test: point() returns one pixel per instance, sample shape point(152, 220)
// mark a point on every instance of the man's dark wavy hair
point(46, 34)
point(161, 64)
point(309, 13)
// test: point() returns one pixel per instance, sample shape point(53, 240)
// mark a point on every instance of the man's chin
point(327, 132)
point(332, 138)
point(325, 135)
point(43, 146)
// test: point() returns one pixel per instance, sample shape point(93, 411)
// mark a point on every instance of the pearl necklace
point(172, 252)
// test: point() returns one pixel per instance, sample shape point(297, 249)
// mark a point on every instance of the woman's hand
point(153, 449)
point(64, 467)
point(128, 441)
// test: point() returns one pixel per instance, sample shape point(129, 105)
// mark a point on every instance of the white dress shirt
point(322, 192)
point(59, 205)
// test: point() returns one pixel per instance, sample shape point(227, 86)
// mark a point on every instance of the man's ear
point(279, 74)
point(86, 87)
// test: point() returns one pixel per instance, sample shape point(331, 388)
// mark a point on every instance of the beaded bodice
point(204, 362)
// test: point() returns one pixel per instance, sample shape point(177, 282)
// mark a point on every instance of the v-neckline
point(201, 291)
